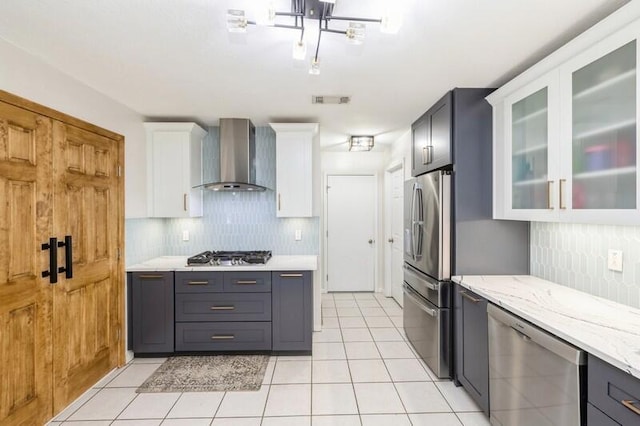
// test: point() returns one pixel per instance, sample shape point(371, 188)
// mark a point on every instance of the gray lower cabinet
point(614, 396)
point(152, 314)
point(292, 297)
point(231, 312)
point(471, 347)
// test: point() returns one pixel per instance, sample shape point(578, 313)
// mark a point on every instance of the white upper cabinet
point(174, 167)
point(565, 142)
point(297, 169)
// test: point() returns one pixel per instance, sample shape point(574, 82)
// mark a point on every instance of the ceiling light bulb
point(236, 21)
point(299, 50)
point(328, 1)
point(266, 15)
point(356, 32)
point(315, 67)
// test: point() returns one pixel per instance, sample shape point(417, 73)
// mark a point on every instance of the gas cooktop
point(229, 258)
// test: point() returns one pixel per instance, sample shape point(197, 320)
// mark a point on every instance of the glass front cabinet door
point(598, 180)
point(530, 150)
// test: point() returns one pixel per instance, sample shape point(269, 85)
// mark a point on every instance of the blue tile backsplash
point(575, 255)
point(231, 221)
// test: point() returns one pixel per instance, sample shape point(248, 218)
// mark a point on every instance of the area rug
point(208, 374)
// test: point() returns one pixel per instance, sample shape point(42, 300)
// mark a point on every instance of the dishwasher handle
point(537, 335)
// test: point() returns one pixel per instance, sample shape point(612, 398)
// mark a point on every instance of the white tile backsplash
point(575, 255)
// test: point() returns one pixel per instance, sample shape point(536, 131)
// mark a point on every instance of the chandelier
point(322, 10)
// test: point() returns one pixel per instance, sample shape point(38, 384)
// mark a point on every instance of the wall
point(29, 77)
point(242, 220)
point(353, 163)
point(401, 153)
point(231, 221)
point(575, 255)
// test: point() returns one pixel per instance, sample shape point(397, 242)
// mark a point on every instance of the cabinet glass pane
point(604, 132)
point(529, 139)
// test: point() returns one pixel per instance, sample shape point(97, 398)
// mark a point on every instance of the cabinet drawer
point(199, 282)
point(223, 336)
point(223, 307)
point(596, 417)
point(247, 282)
point(610, 389)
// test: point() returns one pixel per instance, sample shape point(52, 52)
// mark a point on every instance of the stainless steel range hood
point(237, 157)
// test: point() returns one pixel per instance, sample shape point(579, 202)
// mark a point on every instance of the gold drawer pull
point(247, 282)
point(150, 277)
point(630, 404)
point(198, 282)
point(223, 337)
point(290, 275)
point(469, 297)
point(562, 205)
point(223, 308)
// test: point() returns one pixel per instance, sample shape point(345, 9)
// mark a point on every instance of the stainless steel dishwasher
point(535, 379)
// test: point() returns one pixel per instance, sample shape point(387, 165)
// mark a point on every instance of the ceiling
point(170, 59)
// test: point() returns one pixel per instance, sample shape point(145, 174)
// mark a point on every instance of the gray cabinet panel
point(609, 387)
point(152, 312)
point(223, 307)
point(471, 345)
point(596, 417)
point(199, 282)
point(292, 296)
point(431, 138)
point(223, 336)
point(247, 282)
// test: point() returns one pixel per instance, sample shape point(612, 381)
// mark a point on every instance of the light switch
point(185, 235)
point(614, 260)
point(298, 234)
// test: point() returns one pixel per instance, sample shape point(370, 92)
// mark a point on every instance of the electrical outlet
point(185, 235)
point(298, 234)
point(614, 260)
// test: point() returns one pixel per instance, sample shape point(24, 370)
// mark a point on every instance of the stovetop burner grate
point(212, 258)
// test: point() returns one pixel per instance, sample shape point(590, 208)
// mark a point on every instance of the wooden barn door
point(58, 177)
point(86, 306)
point(25, 296)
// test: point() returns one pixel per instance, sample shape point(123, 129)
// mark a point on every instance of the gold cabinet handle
point(630, 404)
point(150, 277)
point(223, 337)
point(549, 188)
point(223, 308)
point(247, 282)
point(561, 183)
point(278, 201)
point(184, 202)
point(469, 297)
point(198, 282)
point(290, 275)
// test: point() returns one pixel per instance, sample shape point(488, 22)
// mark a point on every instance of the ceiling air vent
point(337, 100)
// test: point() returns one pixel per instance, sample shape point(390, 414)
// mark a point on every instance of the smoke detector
point(337, 100)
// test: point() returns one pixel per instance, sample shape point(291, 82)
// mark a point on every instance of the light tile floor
point(362, 372)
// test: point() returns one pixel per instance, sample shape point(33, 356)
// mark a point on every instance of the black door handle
point(68, 256)
point(52, 273)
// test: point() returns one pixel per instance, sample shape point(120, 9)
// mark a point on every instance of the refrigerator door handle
point(419, 224)
point(413, 221)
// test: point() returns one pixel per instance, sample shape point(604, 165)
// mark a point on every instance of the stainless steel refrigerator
point(449, 230)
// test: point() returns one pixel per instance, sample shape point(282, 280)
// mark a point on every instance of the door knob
point(390, 240)
point(371, 241)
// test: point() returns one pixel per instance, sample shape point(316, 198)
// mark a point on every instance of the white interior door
point(397, 204)
point(351, 230)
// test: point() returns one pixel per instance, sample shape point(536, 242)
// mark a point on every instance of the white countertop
point(606, 329)
point(276, 263)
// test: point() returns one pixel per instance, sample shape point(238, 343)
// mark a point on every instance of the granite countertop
point(606, 329)
point(276, 263)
